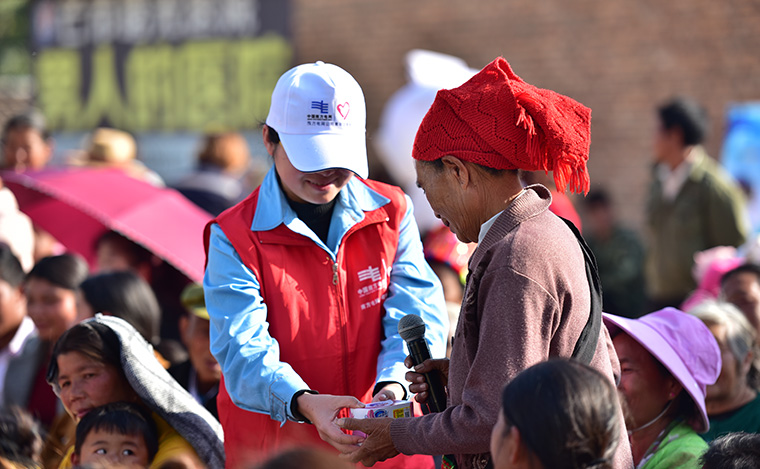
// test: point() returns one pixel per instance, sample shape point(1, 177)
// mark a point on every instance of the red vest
point(326, 315)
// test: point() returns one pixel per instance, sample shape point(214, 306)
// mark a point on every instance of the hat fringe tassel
point(566, 167)
point(535, 142)
point(568, 171)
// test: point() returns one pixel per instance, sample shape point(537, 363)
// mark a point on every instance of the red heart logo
point(343, 110)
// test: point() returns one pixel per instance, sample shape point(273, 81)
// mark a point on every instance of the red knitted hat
point(497, 120)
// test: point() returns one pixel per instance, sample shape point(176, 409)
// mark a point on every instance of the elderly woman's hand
point(377, 447)
point(417, 377)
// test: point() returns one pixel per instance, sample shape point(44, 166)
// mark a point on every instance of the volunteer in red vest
point(307, 278)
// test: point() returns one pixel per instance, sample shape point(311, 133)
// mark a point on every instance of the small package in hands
point(392, 409)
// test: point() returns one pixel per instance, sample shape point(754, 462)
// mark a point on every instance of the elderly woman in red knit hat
point(532, 291)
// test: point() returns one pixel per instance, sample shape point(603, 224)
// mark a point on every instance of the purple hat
point(682, 343)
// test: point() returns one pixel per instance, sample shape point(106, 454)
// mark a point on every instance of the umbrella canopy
point(78, 205)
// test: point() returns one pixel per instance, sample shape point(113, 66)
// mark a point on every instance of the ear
point(74, 459)
point(457, 169)
point(674, 388)
point(517, 453)
point(271, 147)
point(184, 322)
point(747, 362)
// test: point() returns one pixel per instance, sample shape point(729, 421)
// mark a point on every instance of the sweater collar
point(533, 201)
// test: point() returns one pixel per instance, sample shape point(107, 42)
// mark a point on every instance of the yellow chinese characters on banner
point(191, 86)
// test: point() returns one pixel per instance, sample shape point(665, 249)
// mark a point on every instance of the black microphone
point(411, 328)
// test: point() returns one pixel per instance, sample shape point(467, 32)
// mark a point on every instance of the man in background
point(200, 373)
point(693, 204)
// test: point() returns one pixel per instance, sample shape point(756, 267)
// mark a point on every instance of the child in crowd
point(118, 433)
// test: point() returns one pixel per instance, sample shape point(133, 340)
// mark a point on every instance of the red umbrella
point(78, 205)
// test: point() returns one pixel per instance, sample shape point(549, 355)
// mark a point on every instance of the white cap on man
point(319, 112)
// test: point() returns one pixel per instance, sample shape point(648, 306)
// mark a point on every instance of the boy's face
point(108, 448)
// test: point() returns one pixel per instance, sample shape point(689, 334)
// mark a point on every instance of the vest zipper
point(343, 324)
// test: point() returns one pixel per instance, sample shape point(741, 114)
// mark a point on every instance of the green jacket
point(680, 448)
point(707, 212)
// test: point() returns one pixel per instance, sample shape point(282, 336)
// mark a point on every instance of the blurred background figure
point(733, 451)
point(16, 328)
point(693, 203)
point(111, 148)
point(740, 154)
point(426, 72)
point(741, 287)
point(20, 440)
point(16, 229)
point(732, 402)
point(667, 360)
point(50, 290)
point(561, 204)
point(118, 253)
point(127, 296)
point(219, 180)
point(557, 414)
point(709, 267)
point(26, 142)
point(26, 145)
point(200, 373)
point(312, 458)
point(619, 257)
point(448, 258)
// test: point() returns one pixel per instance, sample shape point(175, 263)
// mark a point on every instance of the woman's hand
point(391, 391)
point(322, 410)
point(419, 386)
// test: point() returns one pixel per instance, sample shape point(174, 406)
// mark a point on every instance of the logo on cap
point(326, 118)
point(343, 110)
point(321, 106)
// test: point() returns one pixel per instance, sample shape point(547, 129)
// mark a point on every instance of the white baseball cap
point(318, 110)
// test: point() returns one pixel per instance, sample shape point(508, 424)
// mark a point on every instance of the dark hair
point(20, 437)
point(29, 120)
point(272, 136)
point(10, 267)
point(123, 418)
point(137, 254)
point(126, 295)
point(688, 116)
point(93, 340)
point(733, 451)
point(567, 414)
point(305, 457)
point(66, 270)
point(597, 198)
point(748, 268)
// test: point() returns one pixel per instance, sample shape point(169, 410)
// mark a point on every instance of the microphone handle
point(436, 401)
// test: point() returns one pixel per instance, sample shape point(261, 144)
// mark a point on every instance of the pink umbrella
point(78, 205)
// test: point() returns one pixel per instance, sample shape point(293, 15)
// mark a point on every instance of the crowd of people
point(557, 349)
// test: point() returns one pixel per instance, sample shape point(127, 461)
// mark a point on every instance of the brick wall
point(619, 58)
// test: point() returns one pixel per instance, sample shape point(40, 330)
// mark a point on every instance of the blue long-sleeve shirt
point(255, 378)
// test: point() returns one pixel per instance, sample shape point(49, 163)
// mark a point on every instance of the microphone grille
point(411, 327)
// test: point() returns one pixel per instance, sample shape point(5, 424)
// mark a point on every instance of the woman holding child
point(104, 360)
